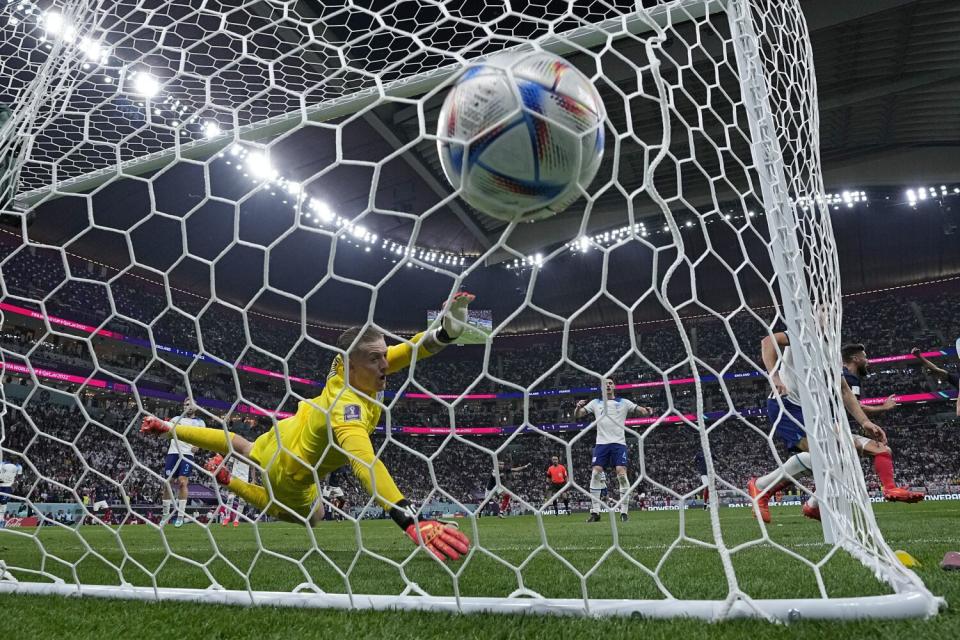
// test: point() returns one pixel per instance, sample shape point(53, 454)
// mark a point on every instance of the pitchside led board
point(480, 321)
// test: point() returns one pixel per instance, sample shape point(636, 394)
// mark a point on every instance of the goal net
point(198, 196)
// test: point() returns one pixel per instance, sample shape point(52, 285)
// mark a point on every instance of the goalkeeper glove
point(455, 317)
point(219, 470)
point(442, 540)
point(152, 424)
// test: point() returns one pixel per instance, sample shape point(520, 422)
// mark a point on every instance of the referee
point(557, 484)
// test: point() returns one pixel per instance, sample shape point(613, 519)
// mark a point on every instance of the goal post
point(814, 343)
point(757, 114)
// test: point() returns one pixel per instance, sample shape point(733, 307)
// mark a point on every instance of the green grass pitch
point(688, 571)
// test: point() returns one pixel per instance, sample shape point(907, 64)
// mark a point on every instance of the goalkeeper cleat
point(624, 517)
point(236, 524)
point(810, 511)
point(594, 517)
point(443, 541)
point(178, 522)
point(216, 467)
point(902, 494)
point(154, 425)
point(763, 500)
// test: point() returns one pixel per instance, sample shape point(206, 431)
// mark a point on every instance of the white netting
point(247, 158)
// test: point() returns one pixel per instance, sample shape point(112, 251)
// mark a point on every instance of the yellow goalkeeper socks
point(216, 440)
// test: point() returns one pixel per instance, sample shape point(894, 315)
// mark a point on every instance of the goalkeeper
point(333, 430)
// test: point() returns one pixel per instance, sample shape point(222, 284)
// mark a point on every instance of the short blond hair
point(367, 336)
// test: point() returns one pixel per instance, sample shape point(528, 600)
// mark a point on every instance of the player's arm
point(368, 469)
point(872, 411)
point(640, 412)
point(941, 374)
point(771, 347)
point(441, 540)
point(430, 343)
point(853, 407)
point(581, 409)
point(523, 468)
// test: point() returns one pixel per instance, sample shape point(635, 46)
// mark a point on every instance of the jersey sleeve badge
point(351, 412)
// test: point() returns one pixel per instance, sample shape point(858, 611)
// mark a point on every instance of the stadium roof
point(888, 86)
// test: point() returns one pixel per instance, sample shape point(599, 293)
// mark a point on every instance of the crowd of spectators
point(70, 458)
point(97, 452)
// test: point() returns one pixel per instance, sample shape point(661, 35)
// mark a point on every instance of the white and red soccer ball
point(521, 136)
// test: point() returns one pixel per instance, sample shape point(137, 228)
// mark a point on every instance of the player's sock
point(167, 504)
point(883, 465)
point(504, 503)
point(216, 440)
point(796, 465)
point(597, 484)
point(181, 509)
point(624, 485)
point(3, 511)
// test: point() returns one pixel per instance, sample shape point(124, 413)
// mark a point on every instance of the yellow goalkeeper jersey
point(328, 432)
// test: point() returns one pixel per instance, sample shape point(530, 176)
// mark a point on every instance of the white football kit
point(179, 446)
point(241, 470)
point(611, 417)
point(8, 473)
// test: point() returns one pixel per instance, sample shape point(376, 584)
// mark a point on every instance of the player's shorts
point(287, 474)
point(5, 493)
point(177, 466)
point(610, 455)
point(556, 487)
point(789, 427)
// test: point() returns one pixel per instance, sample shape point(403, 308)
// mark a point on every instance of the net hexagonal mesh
point(190, 190)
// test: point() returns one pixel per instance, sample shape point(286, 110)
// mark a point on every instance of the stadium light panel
point(145, 84)
point(259, 166)
point(53, 23)
point(322, 209)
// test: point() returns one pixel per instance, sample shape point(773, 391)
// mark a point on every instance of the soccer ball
point(519, 136)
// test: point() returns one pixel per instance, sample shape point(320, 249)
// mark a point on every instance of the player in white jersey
point(8, 474)
point(611, 414)
point(233, 507)
point(178, 465)
point(786, 416)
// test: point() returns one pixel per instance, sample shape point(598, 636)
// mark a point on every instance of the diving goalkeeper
point(333, 430)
